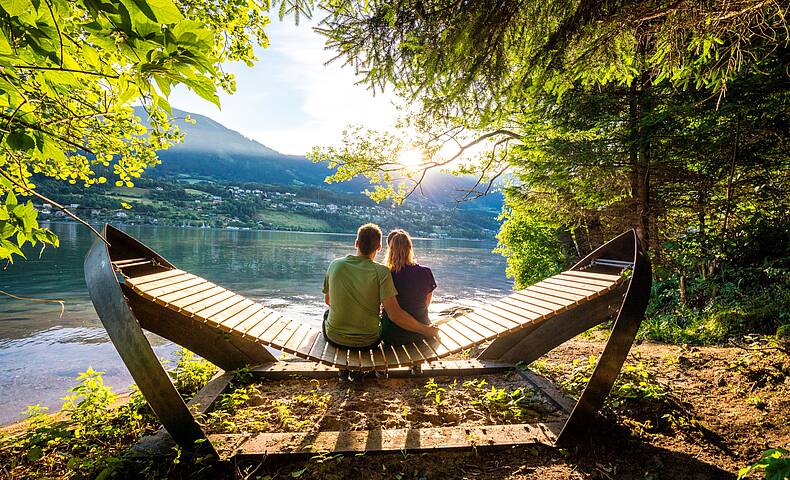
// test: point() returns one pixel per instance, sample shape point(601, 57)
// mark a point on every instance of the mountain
point(211, 150)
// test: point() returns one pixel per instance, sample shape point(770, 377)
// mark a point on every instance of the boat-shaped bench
point(134, 288)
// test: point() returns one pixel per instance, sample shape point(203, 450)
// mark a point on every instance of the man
point(355, 288)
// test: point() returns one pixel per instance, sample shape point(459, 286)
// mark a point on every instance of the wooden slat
point(154, 276)
point(415, 353)
point(367, 359)
point(379, 359)
point(491, 325)
point(189, 300)
point(302, 334)
point(426, 347)
point(252, 321)
point(487, 329)
point(174, 287)
point(172, 297)
point(135, 264)
point(223, 316)
point(266, 335)
point(588, 281)
point(196, 307)
point(524, 309)
point(522, 317)
point(304, 348)
point(601, 276)
point(282, 338)
point(317, 350)
point(333, 356)
point(566, 289)
point(402, 440)
point(208, 313)
point(507, 325)
point(129, 260)
point(354, 359)
point(447, 337)
point(271, 318)
point(575, 285)
point(559, 294)
point(470, 337)
point(144, 289)
point(392, 356)
point(546, 300)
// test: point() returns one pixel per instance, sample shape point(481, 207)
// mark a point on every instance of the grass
point(292, 221)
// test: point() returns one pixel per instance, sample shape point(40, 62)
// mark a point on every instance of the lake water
point(41, 352)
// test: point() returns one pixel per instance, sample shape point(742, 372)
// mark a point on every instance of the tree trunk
point(639, 156)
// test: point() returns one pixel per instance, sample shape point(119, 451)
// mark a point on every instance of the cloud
point(290, 100)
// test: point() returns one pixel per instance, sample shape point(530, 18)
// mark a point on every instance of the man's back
point(356, 286)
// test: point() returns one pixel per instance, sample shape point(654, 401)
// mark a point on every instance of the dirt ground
point(695, 413)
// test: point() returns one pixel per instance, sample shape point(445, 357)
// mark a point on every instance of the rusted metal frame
point(133, 347)
point(613, 357)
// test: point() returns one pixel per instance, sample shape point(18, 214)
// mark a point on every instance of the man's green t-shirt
point(356, 286)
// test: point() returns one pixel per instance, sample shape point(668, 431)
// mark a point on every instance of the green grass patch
point(292, 221)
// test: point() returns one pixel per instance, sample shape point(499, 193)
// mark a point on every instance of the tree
point(70, 72)
point(474, 69)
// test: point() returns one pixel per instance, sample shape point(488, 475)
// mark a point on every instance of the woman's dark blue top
point(413, 283)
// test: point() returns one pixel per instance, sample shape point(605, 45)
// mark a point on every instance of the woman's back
point(414, 283)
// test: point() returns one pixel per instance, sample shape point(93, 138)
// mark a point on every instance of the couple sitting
point(356, 288)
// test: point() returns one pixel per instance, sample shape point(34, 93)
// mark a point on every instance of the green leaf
point(16, 8)
point(20, 140)
point(165, 11)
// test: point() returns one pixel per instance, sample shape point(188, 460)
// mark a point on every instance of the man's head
point(368, 240)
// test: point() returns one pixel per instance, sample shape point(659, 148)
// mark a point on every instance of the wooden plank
point(367, 360)
point(174, 287)
point(562, 288)
point(379, 359)
point(172, 297)
point(488, 329)
point(209, 301)
point(522, 317)
point(470, 367)
point(129, 260)
point(601, 276)
point(189, 300)
point(353, 359)
point(163, 282)
point(548, 389)
point(208, 313)
point(471, 337)
point(568, 297)
point(223, 316)
point(414, 353)
point(395, 440)
point(404, 355)
point(522, 308)
point(137, 281)
point(545, 300)
point(392, 356)
point(591, 289)
point(318, 348)
point(588, 281)
point(282, 338)
point(302, 334)
point(537, 302)
point(507, 325)
point(252, 321)
point(265, 332)
point(447, 340)
point(241, 316)
point(135, 264)
point(334, 356)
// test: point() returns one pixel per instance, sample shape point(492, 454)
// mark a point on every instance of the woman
point(414, 283)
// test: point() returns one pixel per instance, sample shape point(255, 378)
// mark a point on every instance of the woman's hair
point(400, 252)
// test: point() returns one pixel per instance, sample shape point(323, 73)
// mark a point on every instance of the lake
point(41, 352)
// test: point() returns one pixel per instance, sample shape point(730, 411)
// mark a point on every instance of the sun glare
point(410, 158)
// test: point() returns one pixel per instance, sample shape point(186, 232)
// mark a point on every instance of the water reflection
point(41, 352)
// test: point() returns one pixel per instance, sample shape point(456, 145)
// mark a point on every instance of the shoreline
point(246, 229)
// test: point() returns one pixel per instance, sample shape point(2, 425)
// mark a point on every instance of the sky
point(290, 101)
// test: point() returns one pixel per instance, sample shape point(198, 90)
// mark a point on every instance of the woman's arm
point(405, 321)
point(427, 299)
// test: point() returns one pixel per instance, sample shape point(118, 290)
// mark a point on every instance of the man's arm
point(406, 321)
